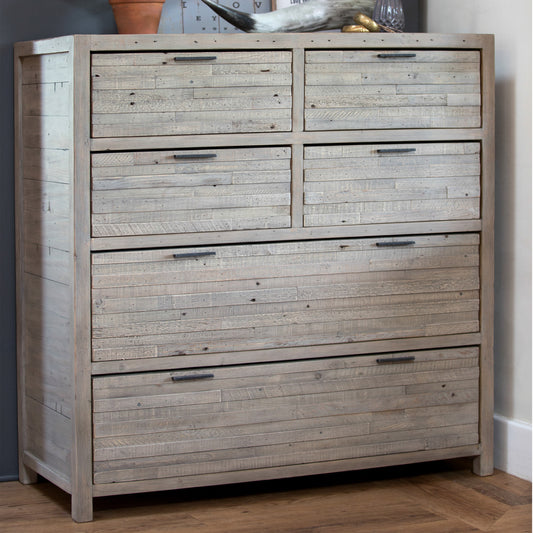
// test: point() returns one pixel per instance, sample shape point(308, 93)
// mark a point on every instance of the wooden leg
point(26, 475)
point(81, 508)
point(483, 465)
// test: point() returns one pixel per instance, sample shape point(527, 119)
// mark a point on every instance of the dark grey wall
point(412, 19)
point(22, 20)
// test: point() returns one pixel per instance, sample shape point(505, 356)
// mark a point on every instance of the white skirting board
point(512, 446)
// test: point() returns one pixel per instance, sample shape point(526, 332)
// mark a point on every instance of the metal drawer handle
point(395, 150)
point(392, 360)
point(192, 377)
point(393, 56)
point(395, 243)
point(195, 156)
point(193, 255)
point(195, 58)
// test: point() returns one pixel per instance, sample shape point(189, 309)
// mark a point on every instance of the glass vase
point(390, 13)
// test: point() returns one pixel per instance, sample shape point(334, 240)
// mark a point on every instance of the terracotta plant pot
point(137, 16)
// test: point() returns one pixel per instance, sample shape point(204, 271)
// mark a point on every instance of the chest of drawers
point(251, 257)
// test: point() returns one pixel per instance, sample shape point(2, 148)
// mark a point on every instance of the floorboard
point(440, 497)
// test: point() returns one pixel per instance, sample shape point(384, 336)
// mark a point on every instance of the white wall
point(511, 25)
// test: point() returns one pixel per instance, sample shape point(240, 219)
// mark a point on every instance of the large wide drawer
point(369, 184)
point(380, 89)
point(181, 191)
point(158, 303)
point(215, 420)
point(175, 93)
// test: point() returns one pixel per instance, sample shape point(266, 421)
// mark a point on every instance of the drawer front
point(180, 191)
point(380, 89)
point(245, 297)
point(369, 184)
point(186, 423)
point(147, 94)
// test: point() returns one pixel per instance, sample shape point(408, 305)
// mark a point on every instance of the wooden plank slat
point(46, 68)
point(370, 150)
point(166, 59)
point(166, 100)
point(224, 347)
point(390, 118)
point(168, 322)
point(398, 420)
point(51, 99)
point(371, 56)
point(425, 360)
point(211, 417)
point(227, 270)
point(46, 164)
point(346, 286)
point(293, 249)
point(206, 305)
point(261, 388)
point(404, 65)
point(301, 454)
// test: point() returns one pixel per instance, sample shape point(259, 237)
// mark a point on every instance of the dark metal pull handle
point(392, 360)
point(395, 243)
point(393, 56)
point(395, 150)
point(193, 255)
point(195, 156)
point(192, 377)
point(195, 58)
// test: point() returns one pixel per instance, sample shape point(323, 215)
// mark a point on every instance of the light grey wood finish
point(44, 269)
point(364, 184)
point(82, 510)
point(53, 252)
point(280, 414)
point(282, 234)
point(483, 464)
point(150, 304)
point(291, 353)
point(388, 89)
point(151, 94)
point(104, 308)
point(190, 191)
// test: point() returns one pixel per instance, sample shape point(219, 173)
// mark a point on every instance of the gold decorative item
point(372, 26)
point(366, 22)
point(354, 28)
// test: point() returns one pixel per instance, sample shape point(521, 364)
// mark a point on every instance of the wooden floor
point(436, 497)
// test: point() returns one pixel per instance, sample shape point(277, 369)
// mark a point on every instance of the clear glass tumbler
point(390, 13)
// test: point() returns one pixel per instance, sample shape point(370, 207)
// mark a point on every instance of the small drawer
point(371, 184)
point(184, 191)
point(215, 420)
point(184, 93)
point(223, 299)
point(381, 89)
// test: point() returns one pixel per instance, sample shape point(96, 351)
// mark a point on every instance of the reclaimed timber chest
point(246, 257)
